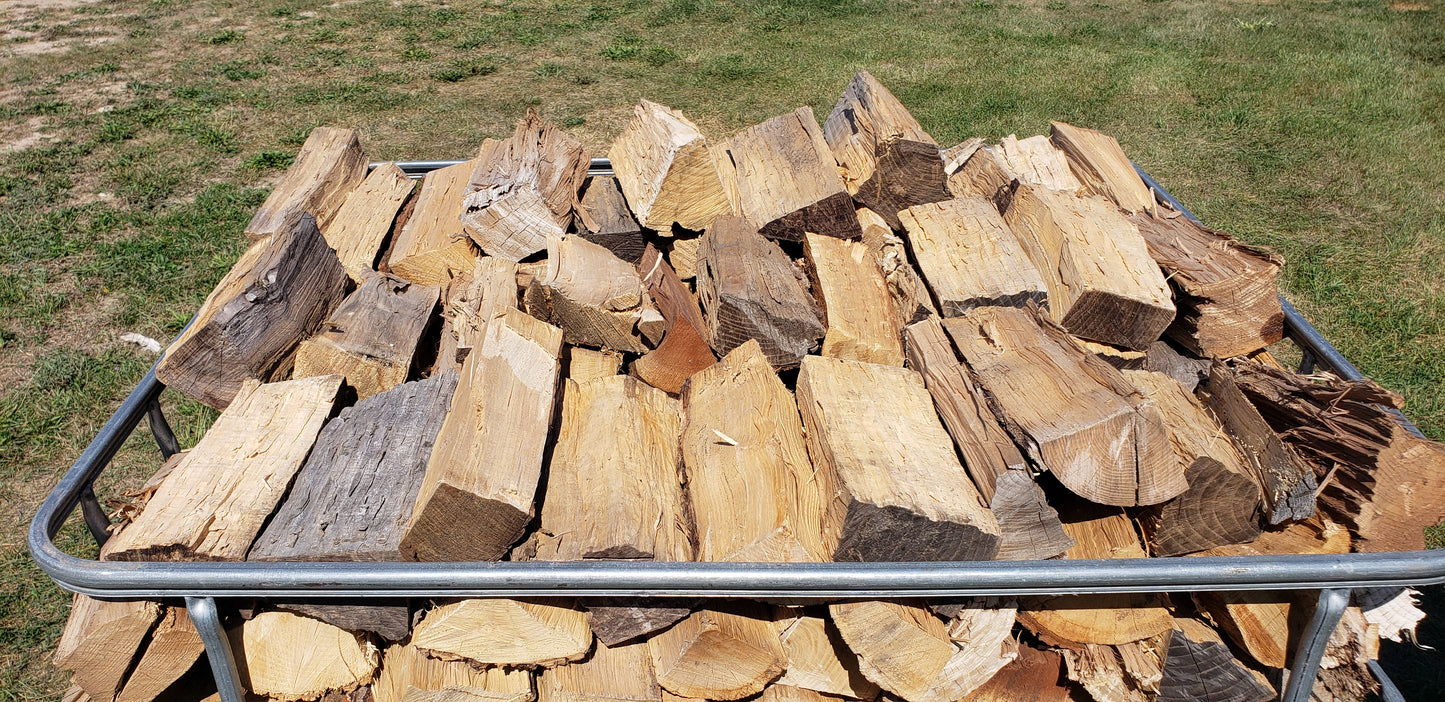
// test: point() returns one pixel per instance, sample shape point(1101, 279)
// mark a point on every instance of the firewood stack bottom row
point(797, 344)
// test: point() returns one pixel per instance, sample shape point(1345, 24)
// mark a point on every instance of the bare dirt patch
point(1410, 6)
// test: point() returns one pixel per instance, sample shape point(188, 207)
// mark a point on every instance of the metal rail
point(201, 583)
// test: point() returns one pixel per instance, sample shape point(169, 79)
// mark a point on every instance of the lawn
point(138, 136)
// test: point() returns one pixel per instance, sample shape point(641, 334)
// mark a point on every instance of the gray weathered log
point(1287, 481)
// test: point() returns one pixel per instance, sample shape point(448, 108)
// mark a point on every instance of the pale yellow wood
point(101, 639)
point(1193, 432)
point(893, 463)
point(818, 660)
point(588, 364)
point(1102, 167)
point(431, 247)
point(1123, 359)
point(595, 297)
point(753, 491)
point(468, 694)
point(499, 632)
point(487, 460)
point(472, 300)
point(327, 168)
point(683, 256)
point(361, 225)
point(289, 657)
point(372, 336)
point(174, 646)
point(911, 298)
point(405, 668)
point(1036, 161)
point(718, 655)
point(666, 170)
point(969, 257)
point(523, 191)
point(778, 692)
point(976, 171)
point(609, 674)
point(862, 324)
point(216, 499)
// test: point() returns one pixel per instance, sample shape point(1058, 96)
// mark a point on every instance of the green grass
point(1312, 127)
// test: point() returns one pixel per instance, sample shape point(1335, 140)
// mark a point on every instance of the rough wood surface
point(753, 492)
point(324, 172)
point(372, 336)
point(1029, 527)
point(100, 641)
point(1206, 672)
point(785, 179)
point(1102, 167)
point(277, 294)
point(667, 170)
point(523, 190)
point(1035, 676)
point(488, 455)
point(1189, 371)
point(1123, 359)
point(605, 221)
point(748, 291)
point(431, 247)
point(911, 299)
point(501, 632)
point(284, 656)
point(722, 654)
point(617, 620)
point(975, 171)
point(1073, 414)
point(608, 674)
point(684, 349)
point(174, 646)
point(888, 162)
point(390, 620)
point(682, 255)
point(1225, 289)
point(1102, 283)
point(901, 494)
point(473, 299)
point(1036, 161)
point(970, 258)
point(595, 297)
point(861, 322)
point(1285, 479)
point(584, 364)
point(468, 694)
point(1098, 670)
point(216, 499)
point(818, 659)
point(361, 225)
point(405, 668)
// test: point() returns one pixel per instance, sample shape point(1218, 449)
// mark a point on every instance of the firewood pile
point(794, 344)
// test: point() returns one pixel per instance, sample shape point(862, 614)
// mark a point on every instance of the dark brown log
point(1206, 672)
point(616, 621)
point(1035, 676)
point(604, 219)
point(372, 336)
point(684, 350)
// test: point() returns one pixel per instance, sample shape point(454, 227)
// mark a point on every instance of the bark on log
point(667, 171)
point(327, 168)
point(862, 324)
point(431, 247)
point(372, 336)
point(684, 350)
point(1102, 167)
point(605, 221)
point(595, 297)
point(970, 258)
point(359, 228)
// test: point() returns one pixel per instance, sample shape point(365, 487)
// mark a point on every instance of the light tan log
point(371, 337)
point(468, 694)
point(1098, 670)
point(174, 646)
point(911, 299)
point(361, 225)
point(785, 179)
point(1102, 283)
point(1029, 527)
point(1036, 161)
point(913, 654)
point(667, 171)
point(500, 632)
point(405, 668)
point(819, 660)
point(524, 190)
point(488, 455)
point(1035, 676)
point(286, 656)
point(753, 492)
point(684, 349)
point(431, 247)
point(895, 466)
point(970, 258)
point(216, 499)
point(327, 168)
point(682, 254)
point(778, 692)
point(594, 296)
point(100, 641)
point(1123, 359)
point(888, 162)
point(584, 364)
point(975, 171)
point(724, 654)
point(608, 674)
point(277, 294)
point(1102, 167)
point(472, 300)
point(1072, 413)
point(862, 324)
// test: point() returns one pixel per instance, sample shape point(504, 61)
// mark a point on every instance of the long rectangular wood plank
point(431, 246)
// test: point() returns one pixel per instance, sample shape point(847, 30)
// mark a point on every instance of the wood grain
point(684, 349)
point(603, 219)
point(372, 336)
point(595, 297)
point(667, 170)
point(1100, 164)
point(500, 632)
point(524, 190)
point(318, 181)
point(284, 656)
point(723, 654)
point(1036, 161)
point(101, 640)
point(819, 660)
point(360, 226)
point(608, 674)
point(861, 322)
point(912, 300)
point(405, 669)
point(431, 247)
point(970, 258)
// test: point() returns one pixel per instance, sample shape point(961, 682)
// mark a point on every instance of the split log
point(1143, 661)
point(667, 171)
point(1123, 359)
point(752, 490)
point(787, 693)
point(1098, 670)
point(722, 654)
point(911, 653)
point(1102, 167)
point(1036, 161)
point(468, 694)
point(523, 191)
point(1073, 414)
point(101, 640)
point(584, 364)
point(605, 221)
point(405, 668)
point(1225, 289)
point(1287, 482)
point(216, 499)
point(488, 455)
point(372, 336)
point(683, 350)
point(327, 168)
point(500, 632)
point(785, 179)
point(432, 247)
point(862, 324)
point(1221, 505)
point(682, 255)
point(595, 297)
point(174, 647)
point(1035, 676)
point(818, 660)
point(609, 674)
point(408, 207)
point(388, 619)
point(974, 171)
point(748, 291)
point(887, 161)
point(901, 494)
point(473, 300)
point(617, 620)
point(1189, 371)
point(1102, 284)
point(284, 656)
point(970, 258)
point(911, 299)
point(1205, 671)
point(277, 294)
point(1029, 527)
point(360, 227)
point(1344, 672)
